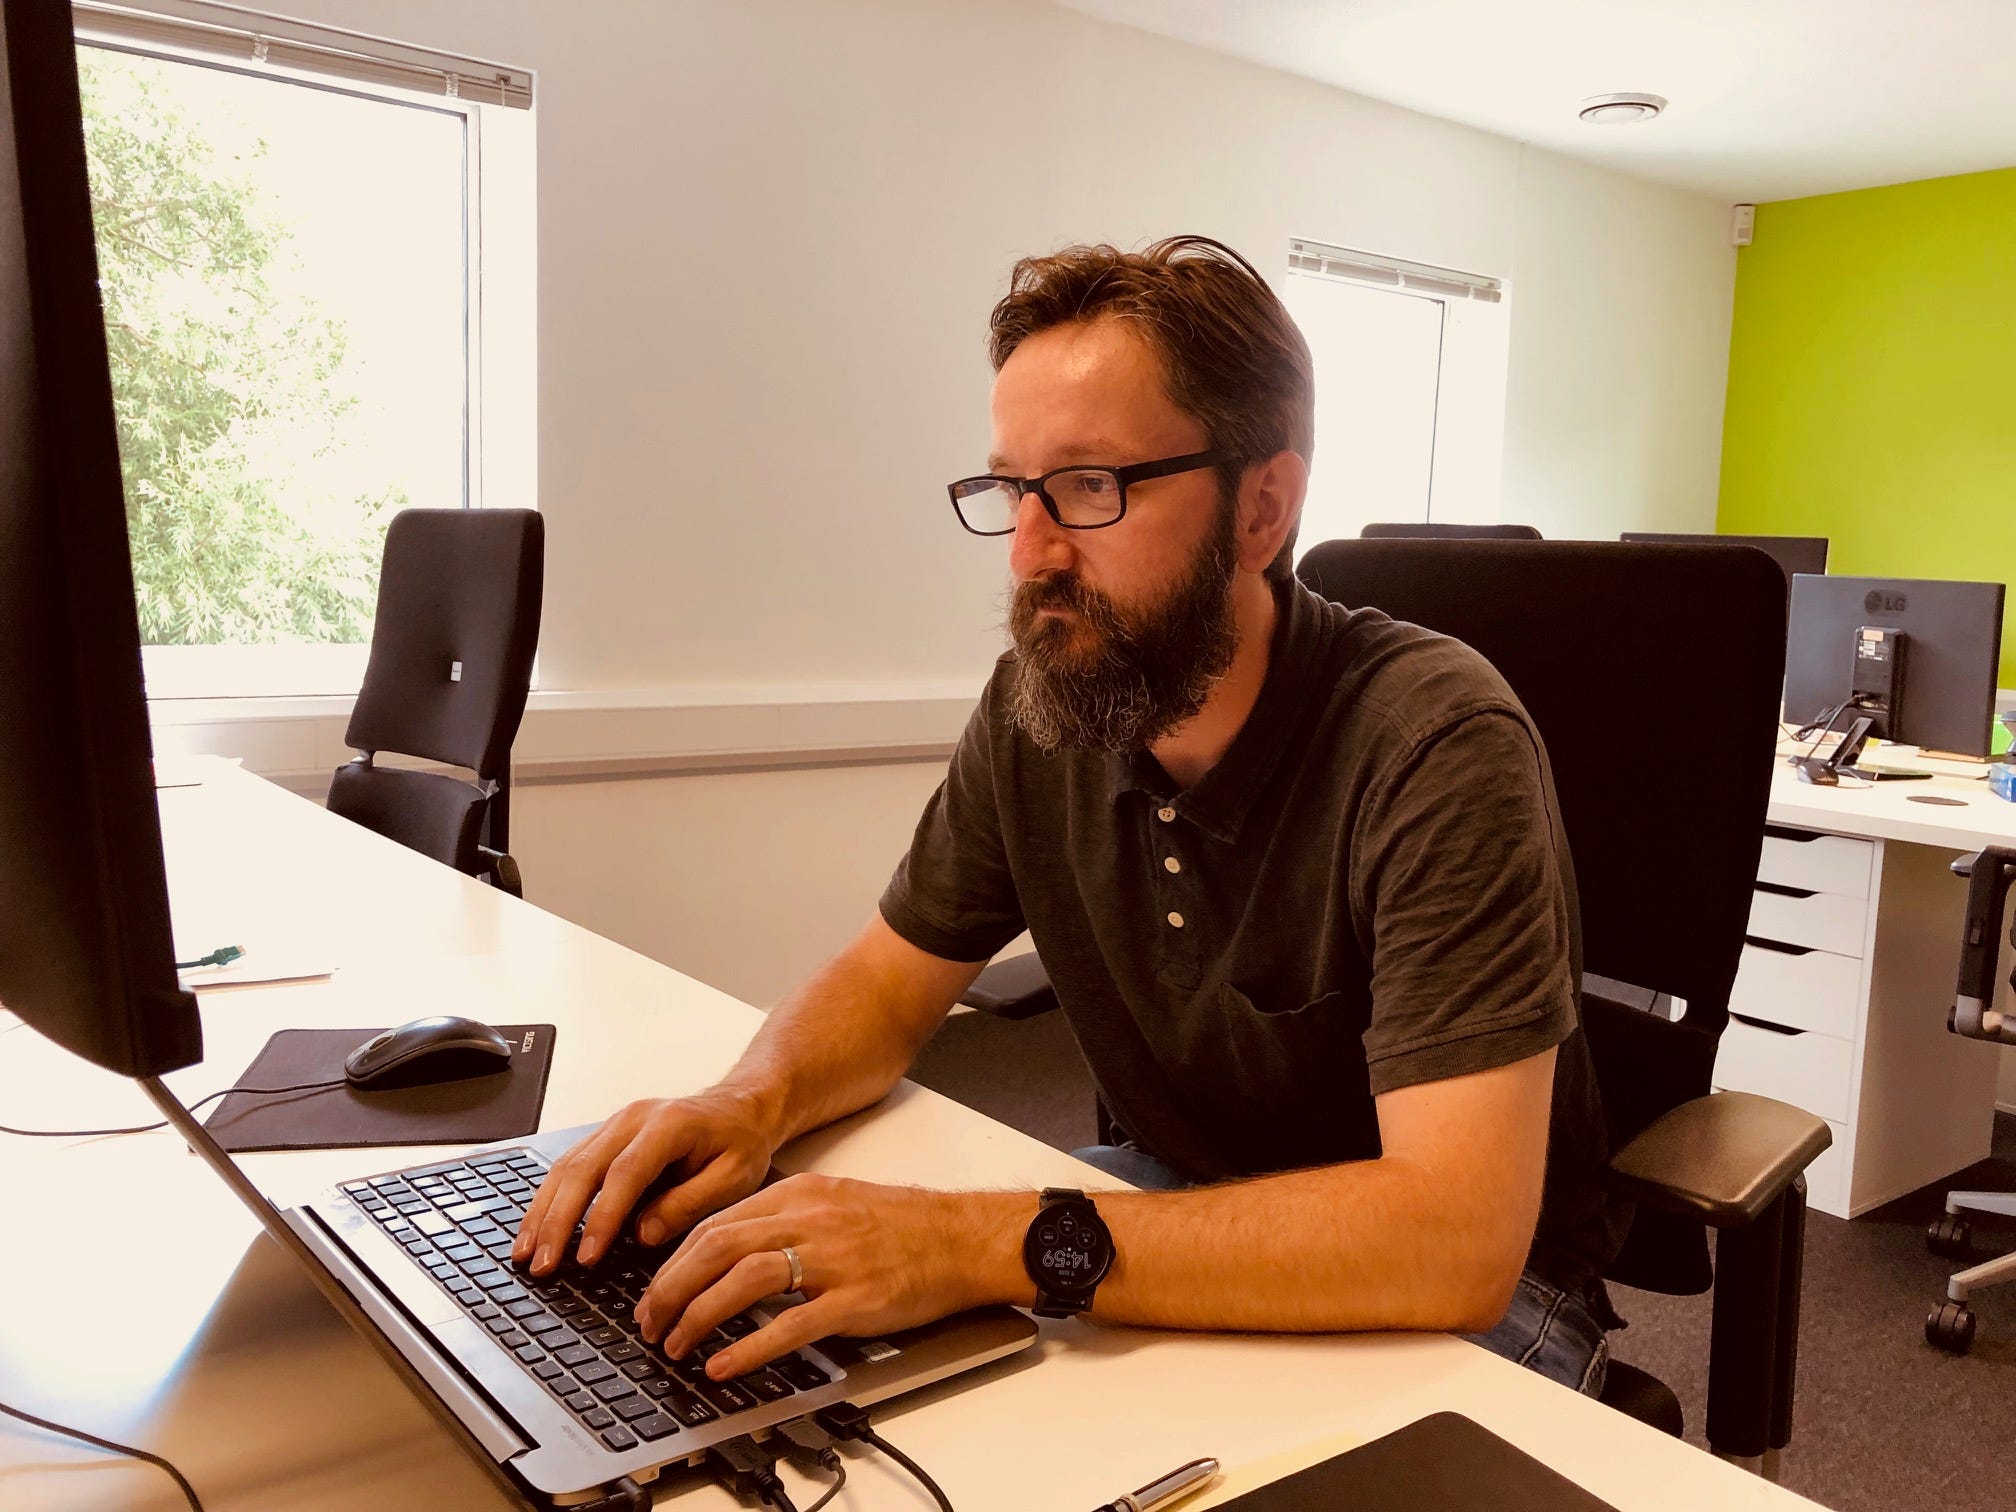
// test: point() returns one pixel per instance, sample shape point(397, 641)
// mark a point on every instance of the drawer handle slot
point(1778, 947)
point(1765, 1024)
point(1796, 836)
point(1781, 890)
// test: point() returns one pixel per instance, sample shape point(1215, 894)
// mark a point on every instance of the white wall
point(769, 236)
point(746, 880)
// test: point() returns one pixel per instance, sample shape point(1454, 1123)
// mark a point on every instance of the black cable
point(871, 1437)
point(125, 1449)
point(149, 1128)
point(839, 1468)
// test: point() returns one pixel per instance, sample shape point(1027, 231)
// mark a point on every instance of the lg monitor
point(1919, 655)
point(1794, 554)
point(85, 950)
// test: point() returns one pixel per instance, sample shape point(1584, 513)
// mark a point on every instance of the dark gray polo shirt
point(1365, 893)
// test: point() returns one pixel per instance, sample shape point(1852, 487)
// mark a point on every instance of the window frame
point(282, 670)
point(1466, 458)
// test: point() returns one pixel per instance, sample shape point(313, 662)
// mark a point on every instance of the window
point(1410, 389)
point(296, 299)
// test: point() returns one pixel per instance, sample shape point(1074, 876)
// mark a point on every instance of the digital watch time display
point(1067, 1252)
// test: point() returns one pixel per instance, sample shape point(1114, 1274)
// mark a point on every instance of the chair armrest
point(1016, 988)
point(1722, 1159)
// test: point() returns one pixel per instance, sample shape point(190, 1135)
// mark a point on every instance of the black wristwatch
point(1067, 1252)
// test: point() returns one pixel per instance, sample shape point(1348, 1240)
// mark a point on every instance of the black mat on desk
point(1445, 1463)
point(502, 1105)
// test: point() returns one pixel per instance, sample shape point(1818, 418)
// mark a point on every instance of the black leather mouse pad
point(502, 1105)
point(1445, 1463)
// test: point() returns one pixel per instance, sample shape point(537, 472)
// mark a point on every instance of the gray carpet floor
point(1883, 1420)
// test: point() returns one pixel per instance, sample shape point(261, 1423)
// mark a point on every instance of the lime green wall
point(1872, 381)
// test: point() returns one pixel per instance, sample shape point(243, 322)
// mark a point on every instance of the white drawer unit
point(1809, 1070)
point(1827, 1177)
point(1798, 987)
point(1824, 921)
point(1817, 863)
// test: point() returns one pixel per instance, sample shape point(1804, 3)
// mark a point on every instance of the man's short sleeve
point(952, 895)
point(1468, 915)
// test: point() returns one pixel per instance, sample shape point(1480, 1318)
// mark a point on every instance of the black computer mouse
point(428, 1050)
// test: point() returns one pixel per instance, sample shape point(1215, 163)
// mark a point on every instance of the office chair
point(1664, 859)
point(1422, 530)
point(1950, 1324)
point(451, 662)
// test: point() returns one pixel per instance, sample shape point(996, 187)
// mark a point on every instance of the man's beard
point(1143, 673)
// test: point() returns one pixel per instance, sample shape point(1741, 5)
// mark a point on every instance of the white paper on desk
point(255, 967)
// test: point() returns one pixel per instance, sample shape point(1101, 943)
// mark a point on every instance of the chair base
point(1950, 1323)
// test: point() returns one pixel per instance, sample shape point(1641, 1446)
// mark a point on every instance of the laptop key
point(529, 1353)
point(611, 1390)
point(539, 1323)
point(641, 1369)
point(800, 1372)
point(634, 1407)
point(603, 1335)
point(578, 1402)
point(501, 1326)
point(546, 1370)
point(568, 1307)
point(739, 1327)
point(725, 1395)
point(524, 1308)
point(513, 1338)
point(619, 1438)
point(689, 1409)
point(576, 1354)
point(486, 1312)
point(598, 1417)
point(592, 1372)
point(766, 1385)
point(653, 1426)
point(621, 1352)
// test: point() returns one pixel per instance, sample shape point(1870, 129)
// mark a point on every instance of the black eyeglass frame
point(1133, 472)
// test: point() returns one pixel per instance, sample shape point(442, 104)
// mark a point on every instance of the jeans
point(1547, 1330)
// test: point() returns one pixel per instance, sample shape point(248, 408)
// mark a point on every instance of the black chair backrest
point(1422, 530)
point(457, 627)
point(1653, 674)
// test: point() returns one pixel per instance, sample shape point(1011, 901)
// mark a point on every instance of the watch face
point(1068, 1248)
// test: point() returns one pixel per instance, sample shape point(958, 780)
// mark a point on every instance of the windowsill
point(571, 735)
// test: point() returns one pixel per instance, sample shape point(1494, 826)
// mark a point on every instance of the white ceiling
point(1771, 99)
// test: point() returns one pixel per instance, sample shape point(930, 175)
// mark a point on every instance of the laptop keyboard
point(574, 1331)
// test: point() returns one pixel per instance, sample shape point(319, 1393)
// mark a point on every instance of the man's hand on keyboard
point(712, 1142)
point(873, 1259)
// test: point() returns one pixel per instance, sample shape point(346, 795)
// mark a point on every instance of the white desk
point(188, 1332)
point(1857, 988)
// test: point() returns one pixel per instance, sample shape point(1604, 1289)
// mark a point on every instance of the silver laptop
point(545, 1379)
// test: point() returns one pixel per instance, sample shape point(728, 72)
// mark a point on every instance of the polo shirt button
point(1175, 921)
point(1165, 814)
point(1171, 864)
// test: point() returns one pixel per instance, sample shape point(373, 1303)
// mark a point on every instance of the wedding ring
point(797, 1270)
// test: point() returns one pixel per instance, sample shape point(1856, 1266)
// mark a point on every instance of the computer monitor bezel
point(86, 944)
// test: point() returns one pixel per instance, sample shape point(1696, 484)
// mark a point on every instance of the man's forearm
point(844, 1038)
point(1380, 1244)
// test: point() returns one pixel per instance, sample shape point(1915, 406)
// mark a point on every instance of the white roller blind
point(246, 36)
point(1393, 273)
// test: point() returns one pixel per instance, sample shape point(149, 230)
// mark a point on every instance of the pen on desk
point(1164, 1490)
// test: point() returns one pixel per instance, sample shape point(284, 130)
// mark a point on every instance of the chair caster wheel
point(1950, 1235)
point(1950, 1326)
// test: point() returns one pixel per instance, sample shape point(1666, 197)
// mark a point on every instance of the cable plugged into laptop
point(846, 1421)
point(747, 1468)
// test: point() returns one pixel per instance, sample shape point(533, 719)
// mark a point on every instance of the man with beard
point(1295, 874)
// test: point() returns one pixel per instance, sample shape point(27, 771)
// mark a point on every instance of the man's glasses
point(1078, 498)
